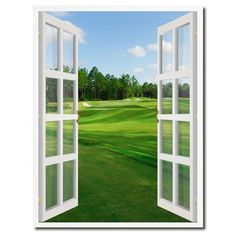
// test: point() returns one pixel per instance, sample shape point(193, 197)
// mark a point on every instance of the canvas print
point(117, 106)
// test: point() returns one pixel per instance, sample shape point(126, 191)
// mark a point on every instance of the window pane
point(183, 96)
point(68, 180)
point(68, 142)
point(166, 97)
point(68, 65)
point(184, 138)
point(51, 138)
point(51, 186)
point(184, 186)
point(184, 47)
point(167, 52)
point(51, 47)
point(167, 180)
point(68, 105)
point(166, 136)
point(51, 96)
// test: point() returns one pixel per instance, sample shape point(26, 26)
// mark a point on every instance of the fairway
point(117, 162)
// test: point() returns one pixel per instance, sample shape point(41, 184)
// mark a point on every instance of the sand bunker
point(85, 104)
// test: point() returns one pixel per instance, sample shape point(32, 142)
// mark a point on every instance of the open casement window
point(58, 135)
point(177, 116)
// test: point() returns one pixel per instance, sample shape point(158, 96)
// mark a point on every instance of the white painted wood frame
point(174, 159)
point(60, 76)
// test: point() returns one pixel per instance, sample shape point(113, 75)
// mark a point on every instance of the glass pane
point(184, 138)
point(51, 138)
point(184, 96)
point(68, 142)
point(184, 47)
point(166, 136)
point(167, 180)
point(68, 65)
point(166, 97)
point(51, 96)
point(167, 52)
point(51, 47)
point(184, 186)
point(68, 180)
point(68, 105)
point(51, 186)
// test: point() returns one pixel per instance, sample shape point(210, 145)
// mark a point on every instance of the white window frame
point(60, 76)
point(174, 75)
point(199, 223)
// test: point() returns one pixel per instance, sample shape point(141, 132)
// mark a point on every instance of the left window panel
point(51, 186)
point(51, 138)
point(51, 47)
point(58, 138)
point(51, 95)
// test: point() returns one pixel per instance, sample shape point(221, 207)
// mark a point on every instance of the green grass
point(183, 106)
point(117, 164)
point(167, 180)
point(51, 139)
point(167, 143)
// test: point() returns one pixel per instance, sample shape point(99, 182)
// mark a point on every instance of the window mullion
point(60, 101)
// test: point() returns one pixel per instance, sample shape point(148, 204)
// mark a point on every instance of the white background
point(16, 116)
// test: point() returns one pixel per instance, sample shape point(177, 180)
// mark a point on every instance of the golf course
point(117, 162)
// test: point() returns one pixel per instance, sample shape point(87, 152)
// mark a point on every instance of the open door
point(58, 128)
point(177, 117)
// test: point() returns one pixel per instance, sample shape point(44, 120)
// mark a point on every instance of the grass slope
point(117, 164)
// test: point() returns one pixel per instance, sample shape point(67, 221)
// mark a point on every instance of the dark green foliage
point(167, 90)
point(51, 90)
point(94, 85)
point(184, 90)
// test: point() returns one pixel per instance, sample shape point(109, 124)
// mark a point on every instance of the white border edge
point(200, 220)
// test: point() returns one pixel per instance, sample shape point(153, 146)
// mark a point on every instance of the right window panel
point(183, 47)
point(184, 185)
point(184, 138)
point(167, 177)
point(167, 52)
point(166, 97)
point(167, 136)
point(68, 180)
point(183, 95)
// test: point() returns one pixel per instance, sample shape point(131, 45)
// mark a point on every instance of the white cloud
point(167, 46)
point(138, 70)
point(81, 36)
point(51, 35)
point(137, 51)
point(152, 47)
point(152, 65)
point(167, 67)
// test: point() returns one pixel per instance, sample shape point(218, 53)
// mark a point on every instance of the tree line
point(183, 90)
point(93, 85)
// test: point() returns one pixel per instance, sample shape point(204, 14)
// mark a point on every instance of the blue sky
point(119, 42)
